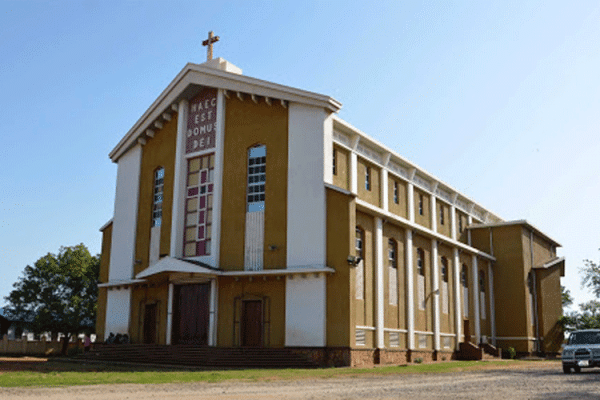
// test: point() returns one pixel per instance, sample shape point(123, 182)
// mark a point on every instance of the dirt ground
point(537, 380)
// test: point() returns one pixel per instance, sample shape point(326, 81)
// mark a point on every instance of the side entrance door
point(150, 323)
point(252, 323)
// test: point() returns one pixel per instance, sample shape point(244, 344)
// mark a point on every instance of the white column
point(212, 322)
point(435, 285)
point(475, 295)
point(383, 185)
point(379, 292)
point(457, 297)
point(469, 222)
point(410, 201)
point(353, 173)
point(410, 295)
point(492, 302)
point(218, 179)
point(434, 213)
point(453, 222)
point(169, 314)
point(179, 182)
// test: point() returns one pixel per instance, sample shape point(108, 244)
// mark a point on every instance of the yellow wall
point(341, 223)
point(550, 308)
point(148, 294)
point(395, 315)
point(342, 176)
point(446, 228)
point(370, 196)
point(101, 314)
point(446, 320)
point(159, 151)
point(103, 278)
point(401, 208)
point(271, 291)
point(248, 124)
point(423, 318)
point(365, 308)
point(425, 219)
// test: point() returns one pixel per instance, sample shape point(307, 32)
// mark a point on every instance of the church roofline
point(517, 222)
point(194, 76)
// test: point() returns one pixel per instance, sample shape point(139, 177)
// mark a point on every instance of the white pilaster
point(492, 303)
point(212, 322)
point(218, 179)
point(434, 213)
point(457, 297)
point(379, 291)
point(453, 226)
point(410, 201)
point(410, 293)
point(383, 185)
point(328, 149)
point(469, 222)
point(435, 280)
point(179, 182)
point(353, 173)
point(169, 314)
point(475, 296)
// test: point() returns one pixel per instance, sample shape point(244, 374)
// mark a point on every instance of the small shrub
point(418, 360)
point(512, 353)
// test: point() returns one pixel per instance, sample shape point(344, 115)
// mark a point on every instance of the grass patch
point(57, 373)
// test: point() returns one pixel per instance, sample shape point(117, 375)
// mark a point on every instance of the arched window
point(445, 292)
point(257, 175)
point(421, 278)
point(157, 196)
point(464, 280)
point(393, 271)
point(360, 268)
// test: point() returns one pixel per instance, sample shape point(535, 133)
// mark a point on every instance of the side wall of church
point(103, 278)
point(248, 124)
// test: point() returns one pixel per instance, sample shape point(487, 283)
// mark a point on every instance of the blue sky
point(501, 100)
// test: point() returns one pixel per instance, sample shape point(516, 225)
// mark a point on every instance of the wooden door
point(150, 323)
point(252, 323)
point(191, 314)
point(467, 330)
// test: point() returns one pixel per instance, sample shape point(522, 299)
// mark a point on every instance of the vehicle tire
point(577, 369)
point(566, 370)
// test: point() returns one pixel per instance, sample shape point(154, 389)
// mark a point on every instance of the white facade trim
point(366, 328)
point(458, 318)
point(492, 303)
point(306, 201)
point(179, 184)
point(124, 229)
point(213, 317)
point(169, 313)
point(383, 189)
point(218, 179)
point(118, 303)
point(306, 311)
point(395, 330)
point(379, 289)
point(410, 293)
point(436, 293)
point(475, 296)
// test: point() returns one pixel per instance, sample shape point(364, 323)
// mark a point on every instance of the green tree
point(58, 293)
point(591, 276)
point(567, 299)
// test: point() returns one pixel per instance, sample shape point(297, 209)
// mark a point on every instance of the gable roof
point(194, 77)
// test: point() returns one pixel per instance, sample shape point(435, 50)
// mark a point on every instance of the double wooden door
point(191, 314)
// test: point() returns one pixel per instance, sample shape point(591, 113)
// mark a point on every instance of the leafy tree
point(58, 294)
point(591, 276)
point(567, 299)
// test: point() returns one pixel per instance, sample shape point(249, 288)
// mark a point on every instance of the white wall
point(305, 304)
point(306, 216)
point(117, 311)
point(125, 215)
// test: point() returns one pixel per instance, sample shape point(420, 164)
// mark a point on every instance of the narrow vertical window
point(393, 272)
point(420, 204)
point(360, 268)
point(396, 195)
point(482, 294)
point(334, 161)
point(199, 206)
point(441, 214)
point(464, 280)
point(445, 291)
point(421, 278)
point(368, 178)
point(460, 223)
point(257, 167)
point(159, 183)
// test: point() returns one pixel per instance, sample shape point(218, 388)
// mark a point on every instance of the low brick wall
point(393, 357)
point(26, 347)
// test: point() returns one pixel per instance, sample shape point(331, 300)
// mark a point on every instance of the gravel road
point(542, 380)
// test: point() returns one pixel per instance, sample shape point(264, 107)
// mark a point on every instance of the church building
point(248, 214)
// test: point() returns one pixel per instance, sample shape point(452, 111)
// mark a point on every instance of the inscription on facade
point(202, 122)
